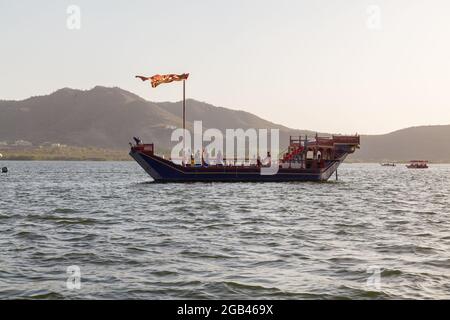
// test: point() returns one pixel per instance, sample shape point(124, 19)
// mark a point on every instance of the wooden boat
point(304, 160)
point(418, 164)
point(388, 164)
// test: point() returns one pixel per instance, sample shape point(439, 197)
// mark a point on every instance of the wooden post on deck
point(184, 121)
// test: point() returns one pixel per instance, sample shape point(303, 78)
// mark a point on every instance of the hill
point(108, 118)
point(424, 142)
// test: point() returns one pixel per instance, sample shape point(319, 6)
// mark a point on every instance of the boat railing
point(235, 162)
point(352, 140)
point(252, 163)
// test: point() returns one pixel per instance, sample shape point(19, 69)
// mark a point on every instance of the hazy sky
point(328, 65)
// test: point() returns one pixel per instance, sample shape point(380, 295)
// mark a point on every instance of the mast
point(184, 121)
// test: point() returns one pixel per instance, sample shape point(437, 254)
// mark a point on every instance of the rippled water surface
point(140, 240)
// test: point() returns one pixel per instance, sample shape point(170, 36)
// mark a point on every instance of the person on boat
point(198, 160)
point(258, 161)
point(205, 158)
point(219, 158)
point(268, 160)
point(187, 157)
point(253, 161)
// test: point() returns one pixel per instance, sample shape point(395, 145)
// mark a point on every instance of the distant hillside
point(101, 117)
point(109, 117)
point(425, 142)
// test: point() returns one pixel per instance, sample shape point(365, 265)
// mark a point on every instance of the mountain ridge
point(108, 117)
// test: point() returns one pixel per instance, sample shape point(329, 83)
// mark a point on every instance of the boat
point(388, 164)
point(417, 164)
point(304, 159)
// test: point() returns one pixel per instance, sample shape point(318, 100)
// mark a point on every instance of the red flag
point(157, 79)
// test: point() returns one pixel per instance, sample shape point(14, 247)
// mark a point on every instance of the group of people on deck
point(203, 159)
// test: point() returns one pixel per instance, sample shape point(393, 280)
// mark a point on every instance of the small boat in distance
point(418, 164)
point(388, 164)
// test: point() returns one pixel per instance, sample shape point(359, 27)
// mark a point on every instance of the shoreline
point(70, 153)
point(57, 159)
point(66, 153)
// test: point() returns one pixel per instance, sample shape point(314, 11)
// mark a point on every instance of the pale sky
point(325, 65)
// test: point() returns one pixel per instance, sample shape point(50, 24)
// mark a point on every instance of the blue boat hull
point(162, 170)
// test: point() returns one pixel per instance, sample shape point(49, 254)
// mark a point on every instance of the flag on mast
point(157, 79)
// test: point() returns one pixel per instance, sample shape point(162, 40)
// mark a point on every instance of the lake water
point(377, 233)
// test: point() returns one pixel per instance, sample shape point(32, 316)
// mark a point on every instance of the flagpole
point(184, 120)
